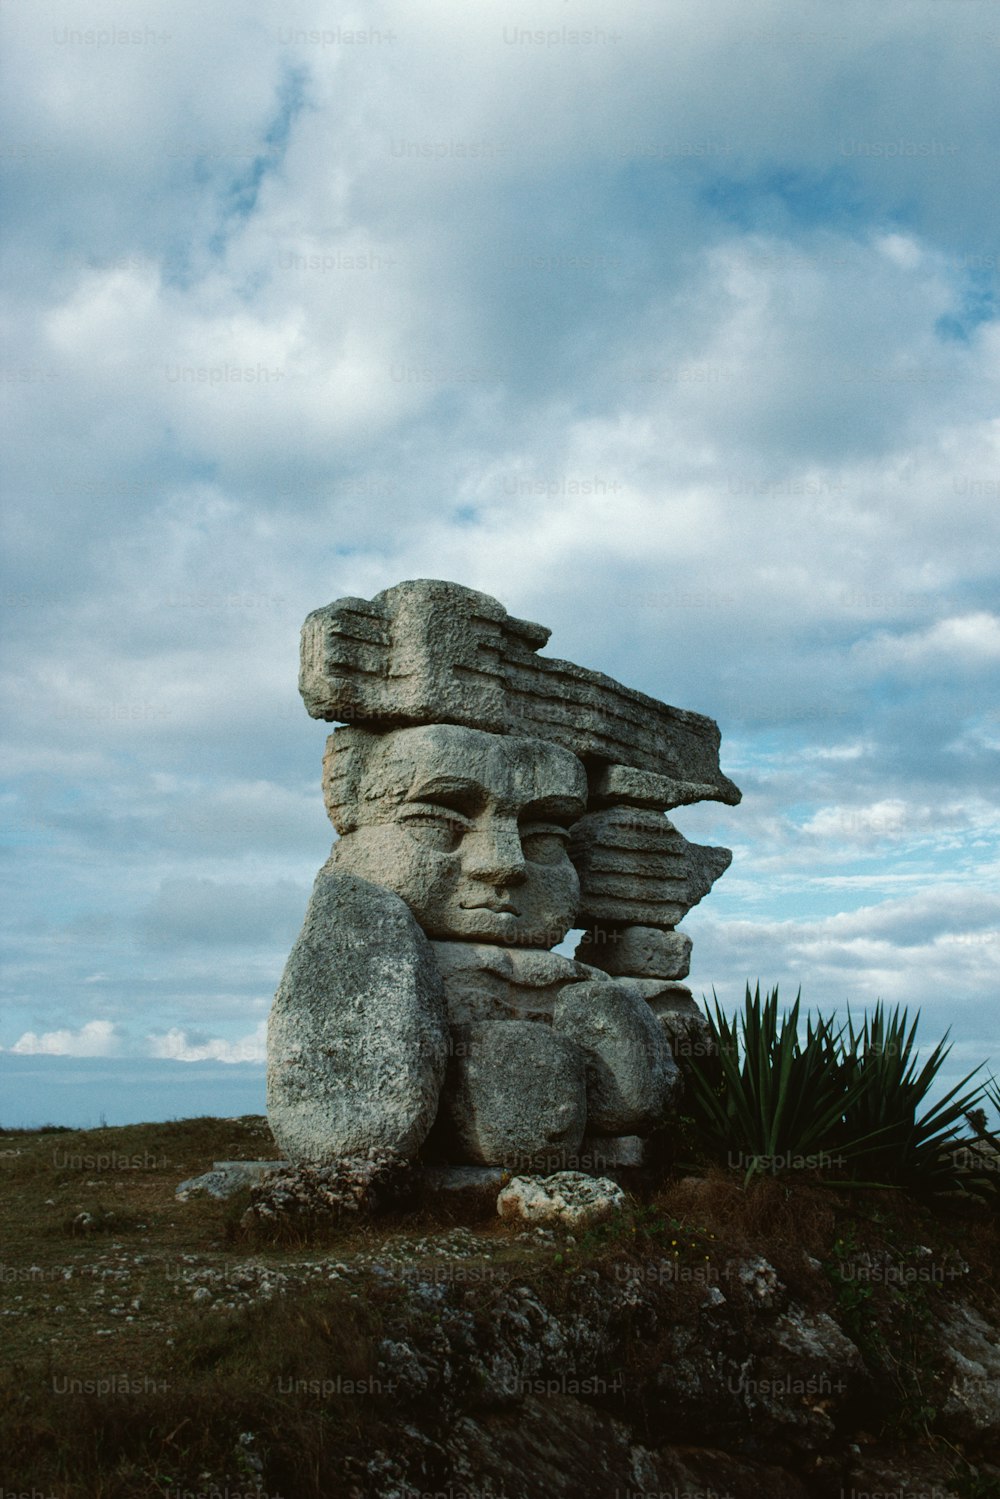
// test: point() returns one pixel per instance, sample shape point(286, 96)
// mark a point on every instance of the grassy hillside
point(152, 1348)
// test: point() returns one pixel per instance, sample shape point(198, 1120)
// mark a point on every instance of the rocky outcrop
point(667, 1377)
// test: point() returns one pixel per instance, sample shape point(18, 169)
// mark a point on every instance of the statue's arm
point(357, 1037)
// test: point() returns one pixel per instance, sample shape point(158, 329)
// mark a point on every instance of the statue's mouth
point(498, 907)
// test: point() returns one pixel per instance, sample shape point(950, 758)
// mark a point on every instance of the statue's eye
point(437, 828)
point(544, 842)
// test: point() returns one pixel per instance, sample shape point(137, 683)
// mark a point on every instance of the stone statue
point(487, 801)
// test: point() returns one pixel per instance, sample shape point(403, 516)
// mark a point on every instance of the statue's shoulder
point(350, 899)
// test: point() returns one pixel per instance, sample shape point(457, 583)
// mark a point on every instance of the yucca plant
point(892, 1133)
point(769, 1101)
point(991, 1093)
point(848, 1109)
point(980, 1162)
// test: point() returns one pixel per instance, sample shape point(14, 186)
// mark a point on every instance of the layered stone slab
point(617, 785)
point(429, 652)
point(637, 869)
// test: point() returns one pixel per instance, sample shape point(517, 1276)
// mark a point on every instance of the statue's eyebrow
point(560, 809)
point(458, 792)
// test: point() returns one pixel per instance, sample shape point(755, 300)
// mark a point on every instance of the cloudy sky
point(672, 324)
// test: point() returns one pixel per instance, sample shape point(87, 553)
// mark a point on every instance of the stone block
point(226, 1178)
point(461, 1189)
point(567, 1199)
point(357, 1039)
point(680, 1017)
point(636, 951)
point(631, 1076)
point(428, 651)
point(636, 869)
point(515, 1095)
point(612, 1152)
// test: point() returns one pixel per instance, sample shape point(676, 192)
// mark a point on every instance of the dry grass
point(101, 1269)
point(115, 1383)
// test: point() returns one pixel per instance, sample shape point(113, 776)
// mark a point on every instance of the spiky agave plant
point(991, 1093)
point(891, 1131)
point(769, 1101)
point(979, 1163)
point(854, 1110)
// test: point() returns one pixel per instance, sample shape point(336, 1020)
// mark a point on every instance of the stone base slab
point(227, 1178)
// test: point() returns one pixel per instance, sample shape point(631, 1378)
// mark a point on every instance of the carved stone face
point(470, 829)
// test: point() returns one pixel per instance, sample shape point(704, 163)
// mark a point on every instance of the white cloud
point(97, 1038)
point(963, 641)
point(933, 948)
point(894, 820)
point(176, 1045)
point(103, 1038)
point(885, 819)
point(764, 338)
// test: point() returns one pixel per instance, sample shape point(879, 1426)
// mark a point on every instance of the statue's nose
point(494, 854)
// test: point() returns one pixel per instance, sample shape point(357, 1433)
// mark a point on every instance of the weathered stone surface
point(428, 651)
point(485, 982)
point(490, 799)
point(972, 1361)
point(612, 1152)
point(620, 785)
point(303, 1198)
point(655, 1375)
point(807, 1355)
point(226, 1178)
point(892, 1474)
point(357, 1037)
point(567, 1198)
point(680, 1016)
point(636, 868)
point(789, 1378)
point(516, 1094)
point(563, 1446)
point(631, 1076)
point(471, 829)
point(637, 951)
